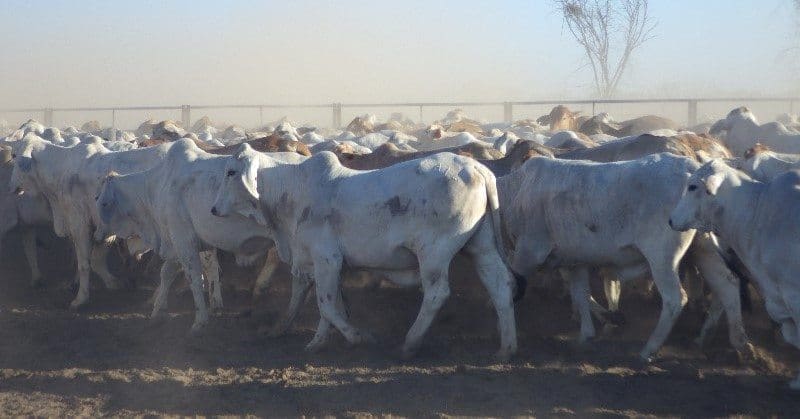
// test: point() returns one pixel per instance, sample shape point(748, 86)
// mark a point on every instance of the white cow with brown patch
point(418, 215)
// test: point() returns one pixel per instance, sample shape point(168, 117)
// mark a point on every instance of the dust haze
point(94, 53)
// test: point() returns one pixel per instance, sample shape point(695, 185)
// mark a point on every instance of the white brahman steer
point(576, 214)
point(761, 223)
point(318, 213)
point(764, 164)
point(743, 131)
point(32, 211)
point(69, 178)
point(169, 208)
point(28, 210)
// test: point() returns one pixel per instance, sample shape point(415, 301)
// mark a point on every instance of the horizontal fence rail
point(336, 107)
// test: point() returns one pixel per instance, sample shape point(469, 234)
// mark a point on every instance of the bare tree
point(607, 29)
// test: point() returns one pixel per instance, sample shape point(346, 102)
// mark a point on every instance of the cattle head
point(699, 207)
point(561, 118)
point(114, 209)
point(755, 150)
point(741, 113)
point(434, 132)
point(239, 190)
point(23, 174)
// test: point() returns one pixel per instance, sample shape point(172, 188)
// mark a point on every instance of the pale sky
point(144, 52)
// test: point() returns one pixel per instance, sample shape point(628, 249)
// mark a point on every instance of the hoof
point(609, 329)
point(503, 355)
point(795, 384)
point(408, 353)
point(277, 331)
point(644, 360)
point(197, 329)
point(216, 306)
point(273, 333)
point(158, 318)
point(364, 338)
point(129, 283)
point(585, 341)
point(76, 304)
point(315, 346)
point(615, 318)
point(114, 285)
point(747, 354)
point(699, 342)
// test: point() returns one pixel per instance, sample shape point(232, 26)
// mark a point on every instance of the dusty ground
point(108, 360)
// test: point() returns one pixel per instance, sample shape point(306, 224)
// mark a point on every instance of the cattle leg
point(711, 321)
point(193, 267)
point(612, 289)
point(435, 290)
point(265, 275)
point(83, 250)
point(29, 247)
point(498, 281)
point(320, 336)
point(99, 262)
point(725, 288)
point(673, 299)
point(693, 285)
point(795, 384)
point(327, 277)
point(301, 284)
point(211, 272)
point(324, 329)
point(169, 270)
point(579, 291)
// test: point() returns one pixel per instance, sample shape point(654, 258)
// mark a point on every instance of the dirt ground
point(109, 360)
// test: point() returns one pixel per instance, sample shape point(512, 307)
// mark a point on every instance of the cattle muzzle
point(19, 191)
point(214, 211)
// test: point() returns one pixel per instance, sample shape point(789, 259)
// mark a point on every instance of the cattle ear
point(243, 149)
point(703, 157)
point(713, 183)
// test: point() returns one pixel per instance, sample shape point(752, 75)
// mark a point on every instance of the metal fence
point(508, 112)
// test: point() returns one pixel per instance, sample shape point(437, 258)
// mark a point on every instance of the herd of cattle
point(563, 196)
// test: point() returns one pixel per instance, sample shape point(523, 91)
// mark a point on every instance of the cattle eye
point(13, 156)
point(231, 173)
point(692, 188)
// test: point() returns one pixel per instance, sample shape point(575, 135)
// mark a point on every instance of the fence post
point(692, 121)
point(791, 106)
point(594, 108)
point(186, 116)
point(337, 115)
point(261, 116)
point(114, 119)
point(48, 117)
point(420, 114)
point(508, 112)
